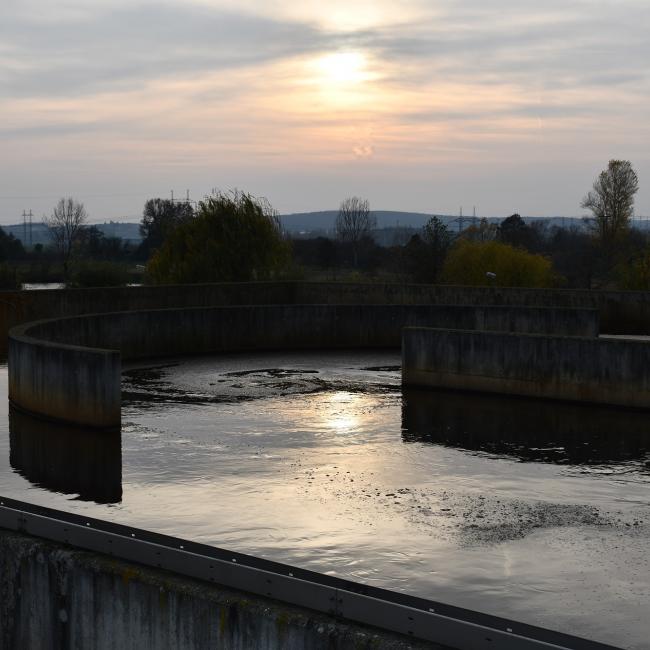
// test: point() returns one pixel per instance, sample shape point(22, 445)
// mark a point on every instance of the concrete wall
point(606, 371)
point(621, 312)
point(18, 307)
point(66, 383)
point(69, 369)
point(58, 598)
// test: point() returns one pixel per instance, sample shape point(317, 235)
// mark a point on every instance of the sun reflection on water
point(342, 412)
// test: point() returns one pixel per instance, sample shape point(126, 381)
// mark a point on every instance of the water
point(525, 509)
point(33, 286)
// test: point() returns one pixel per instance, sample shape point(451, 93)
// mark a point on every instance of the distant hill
point(39, 233)
point(326, 219)
point(323, 222)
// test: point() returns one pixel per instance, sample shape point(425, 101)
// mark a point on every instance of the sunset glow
point(416, 107)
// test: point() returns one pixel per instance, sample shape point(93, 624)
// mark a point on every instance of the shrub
point(8, 277)
point(635, 275)
point(469, 262)
point(99, 274)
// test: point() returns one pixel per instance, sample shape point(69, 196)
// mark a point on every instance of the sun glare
point(342, 68)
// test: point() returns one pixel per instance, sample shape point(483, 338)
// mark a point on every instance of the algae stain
point(162, 598)
point(222, 621)
point(128, 575)
point(282, 623)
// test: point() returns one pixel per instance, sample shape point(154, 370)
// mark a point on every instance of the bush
point(469, 262)
point(99, 274)
point(635, 276)
point(8, 277)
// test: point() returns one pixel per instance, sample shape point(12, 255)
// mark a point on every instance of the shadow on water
point(64, 459)
point(528, 429)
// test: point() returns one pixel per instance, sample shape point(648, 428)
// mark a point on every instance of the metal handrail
point(454, 627)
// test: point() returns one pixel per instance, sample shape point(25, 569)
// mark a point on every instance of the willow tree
point(231, 237)
point(611, 201)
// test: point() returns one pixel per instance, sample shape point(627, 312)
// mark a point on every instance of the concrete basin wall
point(606, 371)
point(67, 383)
point(621, 312)
point(69, 369)
point(55, 597)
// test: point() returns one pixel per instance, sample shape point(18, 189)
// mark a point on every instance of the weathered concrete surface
point(606, 371)
point(68, 383)
point(68, 369)
point(18, 307)
point(622, 312)
point(56, 598)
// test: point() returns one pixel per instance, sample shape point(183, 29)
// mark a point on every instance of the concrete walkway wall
point(69, 369)
point(622, 312)
point(606, 371)
point(58, 598)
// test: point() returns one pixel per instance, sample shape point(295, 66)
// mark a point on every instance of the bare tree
point(354, 222)
point(612, 200)
point(66, 224)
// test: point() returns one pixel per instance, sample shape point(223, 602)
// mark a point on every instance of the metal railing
point(419, 618)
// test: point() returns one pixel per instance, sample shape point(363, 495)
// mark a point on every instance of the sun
point(343, 68)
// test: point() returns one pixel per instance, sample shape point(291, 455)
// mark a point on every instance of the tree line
point(234, 236)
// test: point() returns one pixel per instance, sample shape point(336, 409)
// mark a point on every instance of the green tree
point(634, 274)
point(611, 200)
point(159, 218)
point(232, 237)
point(484, 231)
point(470, 262)
point(437, 240)
point(10, 247)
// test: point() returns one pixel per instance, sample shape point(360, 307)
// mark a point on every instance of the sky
point(417, 105)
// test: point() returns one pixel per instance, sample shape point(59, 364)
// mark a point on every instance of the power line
point(80, 196)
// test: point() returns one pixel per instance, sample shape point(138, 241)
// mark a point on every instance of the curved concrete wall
point(621, 312)
point(66, 383)
point(69, 369)
point(605, 371)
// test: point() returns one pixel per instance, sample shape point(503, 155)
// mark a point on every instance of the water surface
point(534, 510)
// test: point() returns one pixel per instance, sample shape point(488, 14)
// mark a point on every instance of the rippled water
point(533, 510)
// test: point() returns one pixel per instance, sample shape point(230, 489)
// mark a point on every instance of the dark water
point(534, 510)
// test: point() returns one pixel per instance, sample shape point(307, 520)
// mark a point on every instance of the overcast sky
point(416, 105)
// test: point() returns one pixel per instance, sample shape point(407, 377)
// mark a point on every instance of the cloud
point(192, 85)
point(133, 45)
point(363, 151)
point(77, 49)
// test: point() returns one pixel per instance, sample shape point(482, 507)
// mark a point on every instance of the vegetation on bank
point(237, 237)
